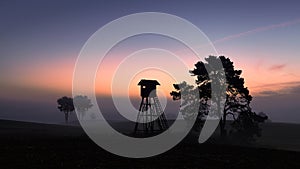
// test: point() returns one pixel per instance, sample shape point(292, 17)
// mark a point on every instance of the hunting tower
point(150, 117)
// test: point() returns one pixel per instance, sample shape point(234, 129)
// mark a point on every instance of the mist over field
point(279, 108)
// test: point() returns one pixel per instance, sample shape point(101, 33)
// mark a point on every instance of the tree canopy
point(237, 98)
point(65, 105)
point(82, 104)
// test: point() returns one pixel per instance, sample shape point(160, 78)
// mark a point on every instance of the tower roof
point(145, 82)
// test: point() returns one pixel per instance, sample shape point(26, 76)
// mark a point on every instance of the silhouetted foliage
point(247, 125)
point(65, 105)
point(82, 104)
point(237, 104)
point(187, 92)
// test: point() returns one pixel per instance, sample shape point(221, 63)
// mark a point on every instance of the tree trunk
point(223, 119)
point(66, 117)
point(222, 126)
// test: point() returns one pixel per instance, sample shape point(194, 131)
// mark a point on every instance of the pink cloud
point(277, 67)
point(259, 29)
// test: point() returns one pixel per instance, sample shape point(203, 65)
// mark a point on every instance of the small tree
point(65, 105)
point(82, 104)
point(237, 96)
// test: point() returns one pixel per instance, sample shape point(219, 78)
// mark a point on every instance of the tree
point(237, 104)
point(188, 107)
point(82, 104)
point(65, 105)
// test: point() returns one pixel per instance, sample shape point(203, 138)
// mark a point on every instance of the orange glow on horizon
point(56, 75)
point(105, 80)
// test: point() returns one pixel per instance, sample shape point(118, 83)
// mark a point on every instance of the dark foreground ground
point(30, 145)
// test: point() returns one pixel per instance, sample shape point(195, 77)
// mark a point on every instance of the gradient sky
point(40, 41)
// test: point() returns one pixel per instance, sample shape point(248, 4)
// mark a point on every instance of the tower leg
point(138, 116)
point(151, 116)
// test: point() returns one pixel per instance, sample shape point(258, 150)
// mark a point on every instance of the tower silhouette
point(151, 117)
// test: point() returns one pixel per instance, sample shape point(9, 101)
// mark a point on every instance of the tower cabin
point(148, 88)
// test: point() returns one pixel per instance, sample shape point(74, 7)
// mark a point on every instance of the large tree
point(65, 105)
point(237, 97)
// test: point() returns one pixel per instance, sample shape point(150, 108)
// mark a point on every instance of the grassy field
point(33, 145)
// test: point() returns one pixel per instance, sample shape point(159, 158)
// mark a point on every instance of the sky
point(41, 40)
